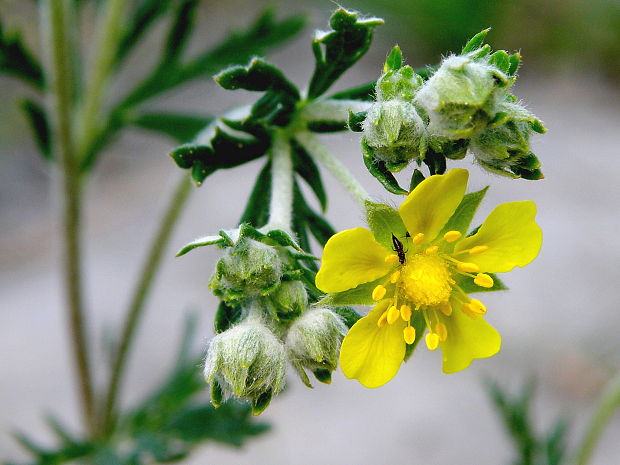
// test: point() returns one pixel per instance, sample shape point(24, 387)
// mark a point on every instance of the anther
point(378, 293)
point(452, 236)
point(468, 309)
point(483, 280)
point(418, 238)
point(478, 306)
point(392, 315)
point(431, 250)
point(432, 341)
point(442, 331)
point(382, 320)
point(409, 334)
point(392, 258)
point(445, 308)
point(468, 267)
point(478, 249)
point(405, 312)
point(395, 277)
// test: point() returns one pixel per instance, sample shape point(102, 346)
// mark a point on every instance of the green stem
point(315, 148)
point(109, 37)
point(608, 405)
point(138, 300)
point(54, 18)
point(281, 202)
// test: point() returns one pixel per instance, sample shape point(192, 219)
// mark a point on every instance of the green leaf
point(337, 50)
point(378, 169)
point(468, 286)
point(201, 242)
point(416, 178)
point(326, 126)
point(306, 167)
point(256, 210)
point(360, 295)
point(365, 92)
point(37, 118)
point(476, 41)
point(226, 316)
point(384, 221)
point(348, 315)
point(18, 61)
point(180, 31)
point(258, 75)
point(464, 213)
point(356, 120)
point(319, 227)
point(394, 60)
point(182, 128)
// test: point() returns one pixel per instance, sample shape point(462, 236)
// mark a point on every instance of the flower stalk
point(281, 202)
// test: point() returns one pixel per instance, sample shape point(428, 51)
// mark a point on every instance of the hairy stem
point(315, 148)
point(281, 202)
point(608, 405)
point(55, 15)
point(138, 300)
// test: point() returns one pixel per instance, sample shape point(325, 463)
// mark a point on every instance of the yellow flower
point(419, 277)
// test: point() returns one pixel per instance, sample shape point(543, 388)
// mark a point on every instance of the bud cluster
point(465, 105)
point(275, 325)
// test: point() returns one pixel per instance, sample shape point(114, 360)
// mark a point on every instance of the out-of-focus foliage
point(564, 34)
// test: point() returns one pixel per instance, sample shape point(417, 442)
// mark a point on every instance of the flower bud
point(289, 300)
point(248, 269)
point(247, 361)
point(313, 340)
point(460, 98)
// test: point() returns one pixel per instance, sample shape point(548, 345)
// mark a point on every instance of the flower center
point(426, 280)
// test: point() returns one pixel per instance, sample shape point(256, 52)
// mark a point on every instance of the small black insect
point(398, 248)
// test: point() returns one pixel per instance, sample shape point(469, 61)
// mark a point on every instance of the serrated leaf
point(476, 41)
point(256, 210)
point(384, 221)
point(181, 127)
point(467, 284)
point(337, 50)
point(360, 295)
point(378, 169)
point(201, 242)
point(258, 75)
point(40, 127)
point(306, 167)
point(464, 213)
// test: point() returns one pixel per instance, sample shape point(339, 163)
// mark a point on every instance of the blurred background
point(560, 321)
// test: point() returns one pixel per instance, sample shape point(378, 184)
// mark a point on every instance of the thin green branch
point(281, 200)
point(54, 21)
point(608, 405)
point(138, 301)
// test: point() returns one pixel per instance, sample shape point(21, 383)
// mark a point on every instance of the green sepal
point(384, 221)
point(394, 60)
point(303, 376)
point(201, 242)
point(261, 403)
point(469, 287)
point(256, 210)
point(360, 295)
point(538, 126)
point(348, 315)
point(515, 62)
point(35, 114)
point(435, 162)
point(501, 60)
point(464, 213)
point(419, 324)
point(476, 41)
point(228, 240)
point(305, 166)
point(258, 75)
point(337, 50)
point(356, 120)
point(480, 53)
point(416, 178)
point(322, 375)
point(226, 316)
point(180, 127)
point(379, 170)
point(216, 394)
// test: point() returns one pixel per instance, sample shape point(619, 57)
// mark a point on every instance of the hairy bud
point(289, 300)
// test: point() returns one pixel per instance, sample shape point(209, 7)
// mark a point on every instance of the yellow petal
point(467, 339)
point(373, 354)
point(429, 206)
point(512, 236)
point(350, 258)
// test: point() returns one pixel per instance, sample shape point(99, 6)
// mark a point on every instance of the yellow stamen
point(405, 312)
point(478, 306)
point(442, 331)
point(478, 249)
point(483, 280)
point(409, 334)
point(392, 315)
point(392, 258)
point(452, 236)
point(468, 309)
point(467, 267)
point(382, 320)
point(395, 277)
point(431, 250)
point(445, 308)
point(418, 238)
point(378, 293)
point(432, 341)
